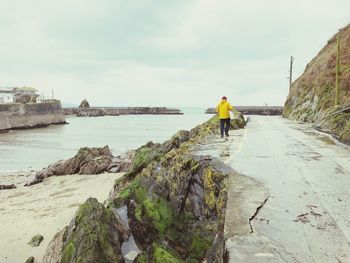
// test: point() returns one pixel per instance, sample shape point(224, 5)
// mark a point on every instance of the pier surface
point(289, 200)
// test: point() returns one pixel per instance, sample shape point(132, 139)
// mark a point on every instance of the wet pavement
point(290, 198)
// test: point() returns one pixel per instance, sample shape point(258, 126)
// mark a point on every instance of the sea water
point(34, 149)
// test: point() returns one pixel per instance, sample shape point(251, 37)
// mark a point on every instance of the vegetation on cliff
point(314, 96)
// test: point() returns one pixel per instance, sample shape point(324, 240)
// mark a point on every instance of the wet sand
point(43, 209)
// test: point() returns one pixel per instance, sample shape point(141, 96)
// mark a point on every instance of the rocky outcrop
point(84, 104)
point(174, 203)
point(312, 97)
point(238, 122)
point(86, 161)
point(7, 186)
point(90, 112)
point(36, 241)
point(94, 235)
point(122, 163)
point(30, 260)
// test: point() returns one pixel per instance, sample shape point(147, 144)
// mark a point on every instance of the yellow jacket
point(223, 109)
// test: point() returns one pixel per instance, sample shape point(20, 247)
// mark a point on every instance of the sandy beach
point(43, 209)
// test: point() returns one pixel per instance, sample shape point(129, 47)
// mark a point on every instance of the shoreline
point(43, 209)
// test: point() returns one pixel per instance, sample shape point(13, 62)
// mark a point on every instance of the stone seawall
point(31, 115)
point(115, 111)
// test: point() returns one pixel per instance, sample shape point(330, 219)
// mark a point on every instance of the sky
point(185, 53)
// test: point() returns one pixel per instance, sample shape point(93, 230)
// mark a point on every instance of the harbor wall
point(30, 115)
point(115, 111)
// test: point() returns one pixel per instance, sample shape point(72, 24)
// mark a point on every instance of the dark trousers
point(224, 126)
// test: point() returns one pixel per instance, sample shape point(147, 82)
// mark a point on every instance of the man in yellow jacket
point(223, 109)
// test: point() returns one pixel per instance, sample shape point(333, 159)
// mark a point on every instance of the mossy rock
point(94, 236)
point(36, 241)
point(142, 258)
point(161, 255)
point(345, 136)
point(156, 211)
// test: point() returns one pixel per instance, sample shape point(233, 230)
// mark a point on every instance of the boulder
point(94, 235)
point(86, 161)
point(30, 260)
point(238, 122)
point(7, 186)
point(122, 163)
point(36, 241)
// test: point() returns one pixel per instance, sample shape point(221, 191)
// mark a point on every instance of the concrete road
point(296, 195)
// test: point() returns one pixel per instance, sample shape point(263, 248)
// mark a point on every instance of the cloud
point(178, 53)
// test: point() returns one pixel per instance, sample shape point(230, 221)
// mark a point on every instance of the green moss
point(142, 258)
point(138, 213)
point(36, 241)
point(214, 192)
point(199, 246)
point(160, 213)
point(161, 255)
point(142, 157)
point(92, 222)
point(127, 193)
point(68, 252)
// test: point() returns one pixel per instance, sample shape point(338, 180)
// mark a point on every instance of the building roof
point(26, 89)
point(6, 89)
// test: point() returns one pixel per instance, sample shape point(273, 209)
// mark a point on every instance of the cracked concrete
point(288, 199)
point(303, 219)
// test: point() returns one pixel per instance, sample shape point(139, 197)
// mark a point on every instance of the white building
point(18, 94)
point(6, 95)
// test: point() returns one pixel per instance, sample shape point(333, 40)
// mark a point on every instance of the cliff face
point(312, 96)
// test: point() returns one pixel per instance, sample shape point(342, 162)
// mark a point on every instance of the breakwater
point(116, 111)
point(30, 115)
point(254, 110)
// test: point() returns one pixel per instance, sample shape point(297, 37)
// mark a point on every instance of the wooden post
point(291, 73)
point(337, 72)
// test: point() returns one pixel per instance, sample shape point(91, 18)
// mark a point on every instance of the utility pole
point(52, 95)
point(337, 72)
point(291, 72)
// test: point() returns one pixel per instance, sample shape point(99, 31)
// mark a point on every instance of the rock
point(94, 235)
point(131, 255)
point(175, 201)
point(84, 104)
point(238, 122)
point(122, 163)
point(90, 112)
point(345, 137)
point(54, 250)
point(36, 241)
point(7, 186)
point(86, 161)
point(175, 141)
point(30, 260)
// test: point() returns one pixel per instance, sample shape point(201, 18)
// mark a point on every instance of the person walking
point(223, 109)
